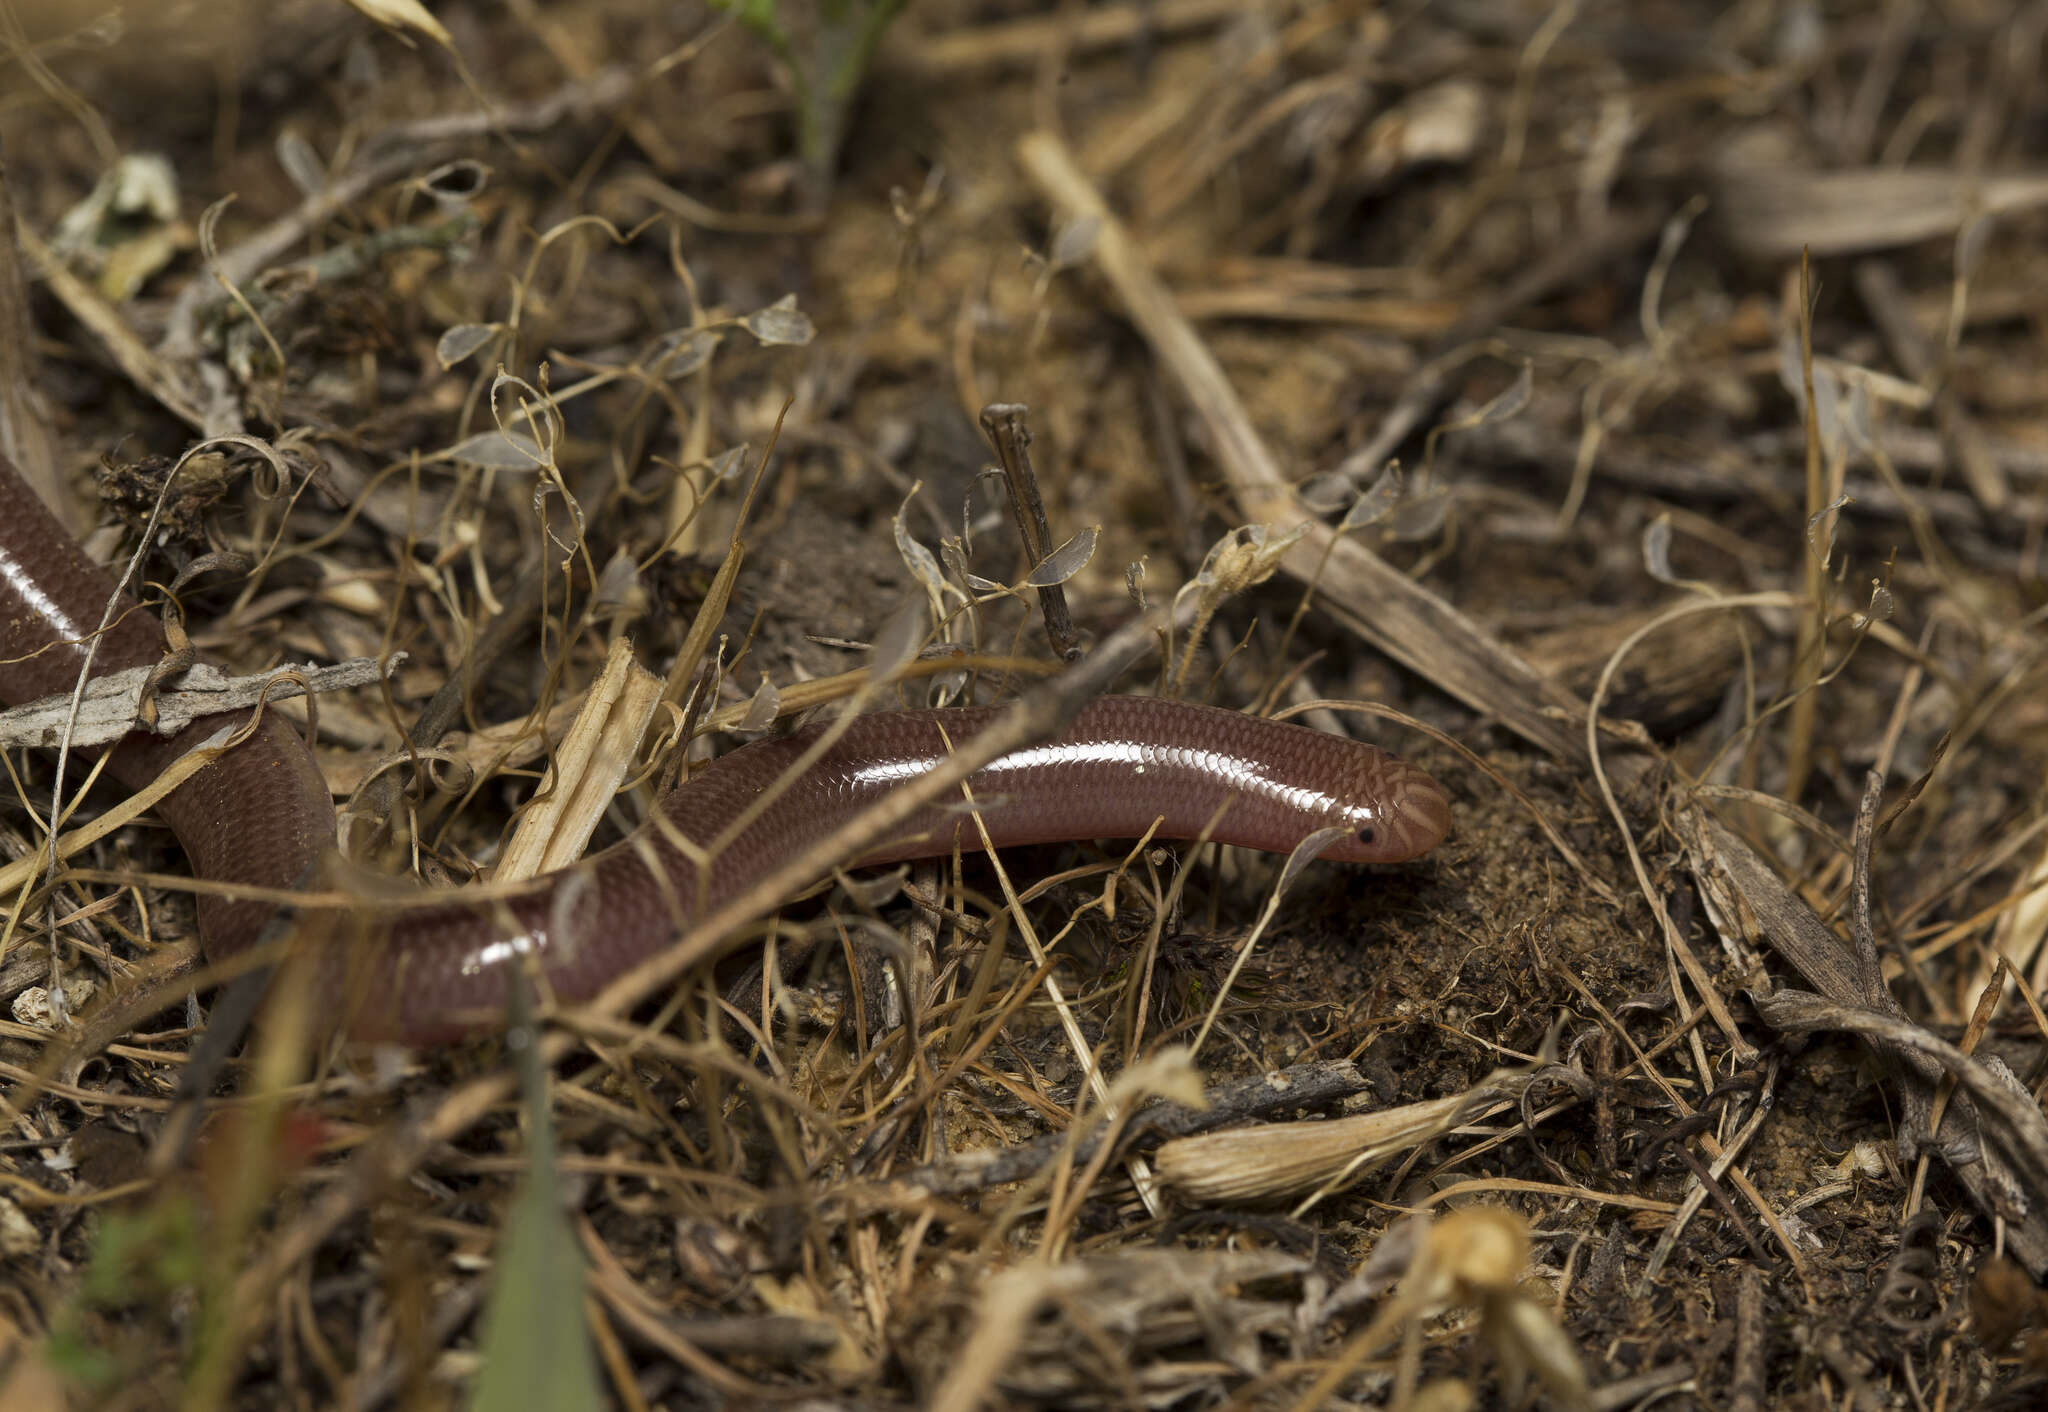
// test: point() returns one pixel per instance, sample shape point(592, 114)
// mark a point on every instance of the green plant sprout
point(828, 45)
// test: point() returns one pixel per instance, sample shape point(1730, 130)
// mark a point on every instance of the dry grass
point(1702, 1066)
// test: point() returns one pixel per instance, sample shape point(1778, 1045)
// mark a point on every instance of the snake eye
point(1365, 835)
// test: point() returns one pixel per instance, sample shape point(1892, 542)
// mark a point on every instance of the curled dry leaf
point(922, 563)
point(1066, 561)
point(762, 709)
point(1378, 501)
point(1273, 1161)
point(406, 14)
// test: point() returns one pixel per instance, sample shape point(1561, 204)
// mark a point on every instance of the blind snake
point(261, 814)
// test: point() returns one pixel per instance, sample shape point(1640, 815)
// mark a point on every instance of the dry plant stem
point(2024, 929)
point(802, 696)
point(1173, 465)
point(711, 612)
point(1973, 1035)
point(1455, 1194)
point(22, 872)
point(114, 701)
point(1746, 1383)
point(693, 484)
point(1729, 474)
point(1644, 1389)
point(696, 213)
point(1806, 651)
point(1004, 425)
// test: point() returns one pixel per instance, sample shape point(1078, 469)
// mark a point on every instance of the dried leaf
point(897, 644)
point(918, 559)
point(1075, 242)
point(1657, 551)
point(1420, 517)
point(1377, 503)
point(619, 584)
point(729, 463)
point(1272, 1161)
point(499, 451)
point(780, 323)
point(1066, 561)
point(1773, 210)
point(762, 709)
point(301, 163)
point(462, 341)
point(1326, 493)
point(1508, 403)
point(1822, 527)
point(686, 350)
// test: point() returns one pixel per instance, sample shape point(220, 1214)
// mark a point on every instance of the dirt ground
point(1700, 1066)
